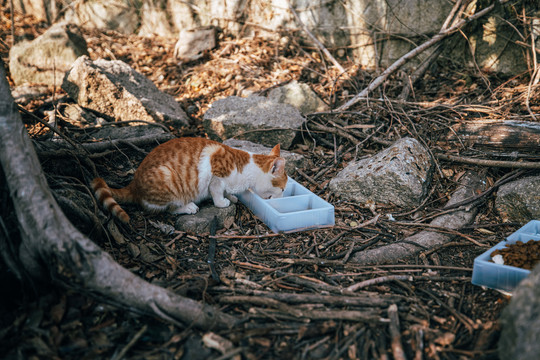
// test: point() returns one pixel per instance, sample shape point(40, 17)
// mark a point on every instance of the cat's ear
point(276, 150)
point(278, 166)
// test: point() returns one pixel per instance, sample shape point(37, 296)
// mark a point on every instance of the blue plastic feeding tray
point(504, 277)
point(299, 209)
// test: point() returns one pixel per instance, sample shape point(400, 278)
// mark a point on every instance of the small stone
point(115, 233)
point(133, 250)
point(200, 222)
point(193, 43)
point(517, 201)
point(299, 95)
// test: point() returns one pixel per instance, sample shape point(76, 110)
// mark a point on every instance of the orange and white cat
point(182, 172)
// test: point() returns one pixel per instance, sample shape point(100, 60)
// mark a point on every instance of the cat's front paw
point(222, 203)
point(190, 209)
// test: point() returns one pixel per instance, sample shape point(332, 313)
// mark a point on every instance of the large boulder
point(45, 59)
point(155, 20)
point(118, 15)
point(344, 27)
point(518, 200)
point(398, 175)
point(292, 160)
point(520, 320)
point(118, 92)
point(254, 118)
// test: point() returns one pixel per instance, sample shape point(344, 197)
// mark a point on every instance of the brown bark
point(52, 249)
point(495, 134)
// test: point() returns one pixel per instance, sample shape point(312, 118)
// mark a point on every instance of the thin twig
point(421, 70)
point(375, 281)
point(411, 54)
point(132, 342)
point(316, 41)
point(395, 334)
point(54, 129)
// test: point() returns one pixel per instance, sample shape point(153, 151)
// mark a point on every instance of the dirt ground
point(268, 279)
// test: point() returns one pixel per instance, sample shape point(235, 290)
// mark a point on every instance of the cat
point(181, 172)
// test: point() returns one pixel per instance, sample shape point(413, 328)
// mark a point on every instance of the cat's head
point(273, 179)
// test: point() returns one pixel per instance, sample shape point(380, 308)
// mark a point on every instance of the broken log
point(52, 250)
point(523, 136)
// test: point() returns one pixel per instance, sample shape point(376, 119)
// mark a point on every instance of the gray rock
point(119, 15)
point(23, 94)
point(154, 21)
point(193, 43)
point(39, 9)
point(293, 160)
point(76, 115)
point(199, 223)
point(299, 95)
point(45, 59)
point(398, 175)
point(520, 321)
point(115, 90)
point(493, 51)
point(255, 118)
point(518, 200)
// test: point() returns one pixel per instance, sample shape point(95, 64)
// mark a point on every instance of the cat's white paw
point(190, 208)
point(232, 198)
point(222, 203)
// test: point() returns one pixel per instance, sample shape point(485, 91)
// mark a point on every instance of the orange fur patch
point(226, 159)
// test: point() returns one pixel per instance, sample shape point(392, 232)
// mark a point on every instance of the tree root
point(52, 249)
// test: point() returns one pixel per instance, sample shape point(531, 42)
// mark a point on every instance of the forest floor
point(265, 278)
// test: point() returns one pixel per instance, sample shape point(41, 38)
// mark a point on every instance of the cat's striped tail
point(106, 198)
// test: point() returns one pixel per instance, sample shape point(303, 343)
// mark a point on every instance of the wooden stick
point(378, 280)
point(490, 163)
point(395, 334)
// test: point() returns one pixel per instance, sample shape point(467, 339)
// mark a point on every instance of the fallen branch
point(411, 54)
point(490, 163)
point(53, 250)
point(471, 183)
point(357, 299)
point(378, 280)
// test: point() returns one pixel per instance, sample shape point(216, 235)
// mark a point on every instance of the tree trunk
point(52, 249)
